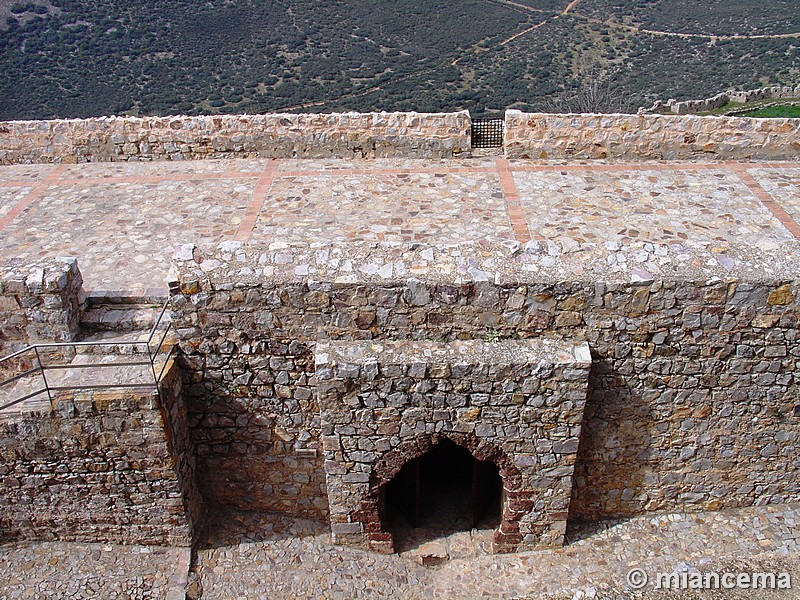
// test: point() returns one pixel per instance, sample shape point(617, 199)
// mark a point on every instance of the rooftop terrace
point(126, 221)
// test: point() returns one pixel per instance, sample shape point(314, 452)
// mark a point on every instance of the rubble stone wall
point(692, 398)
point(99, 466)
point(41, 302)
point(340, 135)
point(637, 137)
point(384, 135)
point(516, 403)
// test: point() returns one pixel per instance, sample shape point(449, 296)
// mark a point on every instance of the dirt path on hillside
point(568, 8)
point(686, 36)
point(765, 36)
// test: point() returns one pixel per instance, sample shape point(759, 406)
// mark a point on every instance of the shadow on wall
point(614, 451)
point(247, 461)
point(255, 436)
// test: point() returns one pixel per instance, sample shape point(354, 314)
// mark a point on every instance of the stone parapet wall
point(692, 393)
point(637, 137)
point(41, 302)
point(99, 466)
point(385, 135)
point(340, 135)
point(516, 403)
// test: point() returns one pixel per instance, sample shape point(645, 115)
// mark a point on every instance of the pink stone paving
point(124, 221)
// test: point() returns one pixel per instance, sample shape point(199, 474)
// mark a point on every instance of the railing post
point(44, 377)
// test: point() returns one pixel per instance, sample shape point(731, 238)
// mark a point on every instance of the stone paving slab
point(10, 196)
point(425, 207)
point(64, 570)
point(167, 169)
point(124, 221)
point(124, 233)
point(252, 555)
point(659, 207)
point(27, 173)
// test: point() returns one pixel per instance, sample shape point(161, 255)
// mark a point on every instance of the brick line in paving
point(383, 171)
point(19, 183)
point(257, 200)
point(35, 194)
point(767, 200)
point(157, 178)
point(511, 195)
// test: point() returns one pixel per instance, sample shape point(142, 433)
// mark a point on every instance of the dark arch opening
point(444, 491)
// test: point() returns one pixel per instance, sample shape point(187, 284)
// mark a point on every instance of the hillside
point(64, 58)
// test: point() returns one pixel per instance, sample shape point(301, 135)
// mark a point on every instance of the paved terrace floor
point(252, 555)
point(124, 220)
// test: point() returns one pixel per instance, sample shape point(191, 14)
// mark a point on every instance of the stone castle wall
point(667, 137)
point(97, 466)
point(683, 107)
point(692, 393)
point(342, 135)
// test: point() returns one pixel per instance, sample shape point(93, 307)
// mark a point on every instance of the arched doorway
point(444, 491)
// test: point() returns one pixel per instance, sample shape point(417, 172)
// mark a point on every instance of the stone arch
point(507, 536)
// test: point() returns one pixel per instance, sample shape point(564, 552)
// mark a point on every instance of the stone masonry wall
point(381, 135)
point(692, 392)
point(42, 302)
point(517, 403)
point(99, 466)
point(341, 135)
point(636, 137)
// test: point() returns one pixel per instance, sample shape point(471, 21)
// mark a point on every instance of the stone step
point(119, 318)
point(120, 342)
point(121, 313)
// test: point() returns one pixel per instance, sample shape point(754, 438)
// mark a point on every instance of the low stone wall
point(692, 393)
point(379, 135)
point(518, 404)
point(41, 302)
point(99, 466)
point(636, 137)
point(340, 135)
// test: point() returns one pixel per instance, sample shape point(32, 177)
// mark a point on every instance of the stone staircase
point(112, 324)
point(108, 316)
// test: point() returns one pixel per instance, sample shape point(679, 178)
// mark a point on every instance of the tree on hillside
point(595, 90)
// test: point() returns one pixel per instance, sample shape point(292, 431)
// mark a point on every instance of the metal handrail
point(41, 368)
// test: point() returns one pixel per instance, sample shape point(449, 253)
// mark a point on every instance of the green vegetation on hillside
point(78, 58)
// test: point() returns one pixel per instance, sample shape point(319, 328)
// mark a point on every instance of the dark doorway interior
point(443, 491)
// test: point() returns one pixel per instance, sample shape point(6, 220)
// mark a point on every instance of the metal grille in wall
point(487, 133)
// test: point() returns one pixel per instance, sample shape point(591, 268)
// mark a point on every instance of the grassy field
point(79, 58)
point(757, 105)
point(786, 111)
